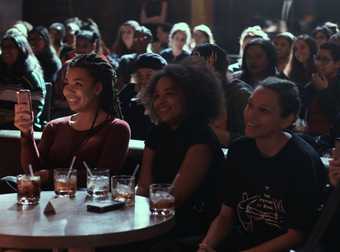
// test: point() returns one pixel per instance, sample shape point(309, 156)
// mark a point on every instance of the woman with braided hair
point(93, 134)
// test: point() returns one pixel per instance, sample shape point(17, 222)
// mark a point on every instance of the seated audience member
point(272, 182)
point(283, 43)
point(321, 97)
point(57, 34)
point(182, 149)
point(19, 69)
point(147, 64)
point(335, 38)
point(124, 39)
point(179, 43)
point(330, 239)
point(230, 124)
point(301, 66)
point(162, 38)
point(86, 42)
point(101, 48)
point(202, 34)
point(247, 35)
point(93, 134)
point(43, 50)
point(141, 40)
point(321, 34)
point(333, 27)
point(259, 62)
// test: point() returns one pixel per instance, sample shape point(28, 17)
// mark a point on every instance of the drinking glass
point(65, 184)
point(162, 202)
point(98, 184)
point(28, 189)
point(123, 189)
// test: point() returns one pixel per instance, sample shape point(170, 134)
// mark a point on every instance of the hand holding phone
point(23, 111)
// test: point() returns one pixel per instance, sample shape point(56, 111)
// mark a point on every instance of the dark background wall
point(227, 18)
point(109, 14)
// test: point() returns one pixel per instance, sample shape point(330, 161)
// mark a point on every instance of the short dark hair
point(201, 89)
point(288, 93)
point(101, 71)
point(88, 35)
point(333, 48)
point(150, 60)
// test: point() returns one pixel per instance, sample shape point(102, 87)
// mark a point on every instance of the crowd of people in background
point(276, 108)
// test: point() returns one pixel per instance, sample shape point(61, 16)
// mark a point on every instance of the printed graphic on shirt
point(260, 209)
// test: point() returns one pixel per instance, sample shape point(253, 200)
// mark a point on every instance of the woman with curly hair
point(93, 134)
point(19, 69)
point(41, 45)
point(182, 149)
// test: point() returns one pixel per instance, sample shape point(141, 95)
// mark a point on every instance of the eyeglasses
point(322, 60)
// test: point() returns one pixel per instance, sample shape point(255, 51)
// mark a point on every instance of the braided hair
point(102, 71)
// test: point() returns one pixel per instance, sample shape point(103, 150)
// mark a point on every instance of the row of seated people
point(184, 124)
point(265, 195)
point(292, 58)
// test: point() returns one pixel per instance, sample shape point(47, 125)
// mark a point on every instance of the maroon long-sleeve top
point(103, 147)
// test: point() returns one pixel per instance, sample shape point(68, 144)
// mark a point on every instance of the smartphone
point(337, 148)
point(24, 97)
point(102, 207)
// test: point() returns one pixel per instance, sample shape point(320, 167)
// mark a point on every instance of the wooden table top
point(74, 226)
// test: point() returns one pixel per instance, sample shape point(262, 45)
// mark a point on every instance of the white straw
point(135, 170)
point(87, 168)
point(71, 166)
point(30, 170)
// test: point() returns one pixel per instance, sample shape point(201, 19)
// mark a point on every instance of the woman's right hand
point(23, 118)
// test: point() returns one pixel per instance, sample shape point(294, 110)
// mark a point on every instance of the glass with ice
point(98, 184)
point(28, 189)
point(65, 183)
point(162, 202)
point(123, 189)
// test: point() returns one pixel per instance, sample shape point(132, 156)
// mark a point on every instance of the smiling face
point(302, 51)
point(262, 114)
point(81, 90)
point(10, 52)
point(168, 102)
point(256, 60)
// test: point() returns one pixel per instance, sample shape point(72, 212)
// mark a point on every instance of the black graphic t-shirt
point(272, 194)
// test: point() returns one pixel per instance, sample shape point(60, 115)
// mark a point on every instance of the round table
point(74, 226)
